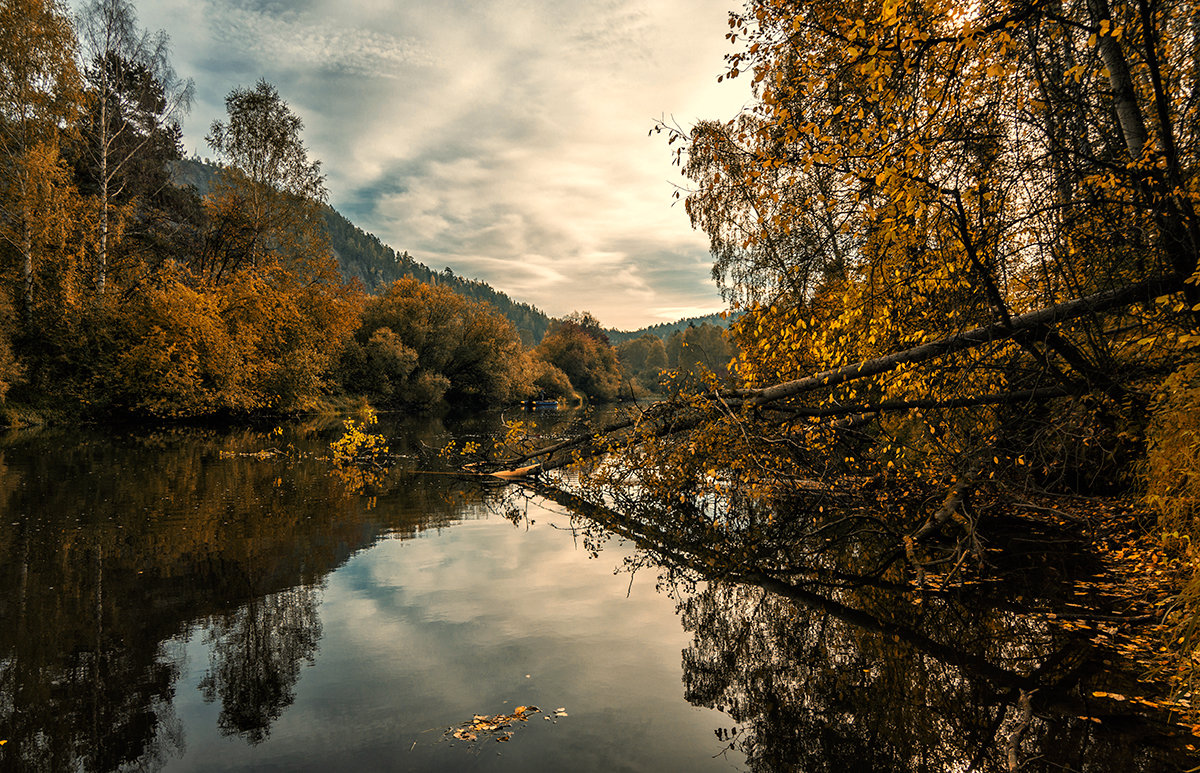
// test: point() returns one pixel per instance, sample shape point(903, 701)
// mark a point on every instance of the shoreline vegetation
point(129, 293)
point(960, 249)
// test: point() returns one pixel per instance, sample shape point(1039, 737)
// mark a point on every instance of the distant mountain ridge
point(664, 329)
point(363, 256)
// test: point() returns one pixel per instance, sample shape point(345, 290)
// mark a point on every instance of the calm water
point(177, 600)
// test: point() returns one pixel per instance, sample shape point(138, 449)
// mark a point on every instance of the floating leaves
point(496, 726)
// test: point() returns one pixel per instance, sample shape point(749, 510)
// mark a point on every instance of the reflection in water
point(116, 552)
point(811, 692)
point(112, 547)
point(825, 674)
point(256, 653)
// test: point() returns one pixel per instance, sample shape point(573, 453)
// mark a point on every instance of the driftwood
point(519, 473)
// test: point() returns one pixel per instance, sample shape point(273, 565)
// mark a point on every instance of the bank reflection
point(114, 550)
point(820, 670)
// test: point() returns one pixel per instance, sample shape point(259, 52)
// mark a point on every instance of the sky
point(506, 140)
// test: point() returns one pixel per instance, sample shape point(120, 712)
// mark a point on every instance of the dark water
point(176, 600)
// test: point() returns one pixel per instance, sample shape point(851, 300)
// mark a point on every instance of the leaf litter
point(499, 727)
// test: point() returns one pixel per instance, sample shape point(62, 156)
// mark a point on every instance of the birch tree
point(137, 103)
point(39, 97)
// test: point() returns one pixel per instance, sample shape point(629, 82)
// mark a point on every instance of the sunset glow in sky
point(506, 140)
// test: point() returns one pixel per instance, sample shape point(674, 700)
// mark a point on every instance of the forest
point(962, 247)
point(138, 284)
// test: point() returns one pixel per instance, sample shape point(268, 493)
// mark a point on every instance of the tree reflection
point(823, 673)
point(255, 658)
point(78, 691)
point(114, 548)
point(812, 692)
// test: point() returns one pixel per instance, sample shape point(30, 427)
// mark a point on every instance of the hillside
point(665, 329)
point(363, 256)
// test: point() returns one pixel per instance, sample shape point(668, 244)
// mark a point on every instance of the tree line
point(125, 294)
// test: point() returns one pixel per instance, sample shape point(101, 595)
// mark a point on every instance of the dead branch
point(950, 506)
point(1024, 719)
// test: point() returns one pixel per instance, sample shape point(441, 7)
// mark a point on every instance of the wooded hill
point(363, 256)
point(664, 329)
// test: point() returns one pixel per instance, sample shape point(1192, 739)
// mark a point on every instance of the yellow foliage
point(356, 444)
point(1172, 468)
point(182, 348)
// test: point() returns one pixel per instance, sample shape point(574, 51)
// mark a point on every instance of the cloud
point(505, 139)
point(282, 34)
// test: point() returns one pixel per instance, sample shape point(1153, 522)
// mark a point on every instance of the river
point(194, 599)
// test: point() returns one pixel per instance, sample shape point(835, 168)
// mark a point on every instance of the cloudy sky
point(506, 139)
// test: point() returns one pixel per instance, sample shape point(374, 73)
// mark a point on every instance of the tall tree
point(265, 208)
point(137, 102)
point(956, 163)
point(39, 95)
point(911, 170)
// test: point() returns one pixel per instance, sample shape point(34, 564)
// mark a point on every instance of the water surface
point(187, 599)
point(173, 600)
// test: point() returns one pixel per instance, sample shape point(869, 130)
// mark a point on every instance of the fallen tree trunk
point(671, 418)
point(999, 331)
point(892, 406)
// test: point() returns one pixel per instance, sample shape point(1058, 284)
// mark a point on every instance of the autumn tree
point(579, 348)
point(417, 344)
point(132, 127)
point(264, 209)
point(550, 381)
point(911, 171)
point(699, 349)
point(39, 95)
point(256, 316)
point(643, 360)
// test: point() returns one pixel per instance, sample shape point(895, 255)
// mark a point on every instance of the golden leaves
point(497, 726)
